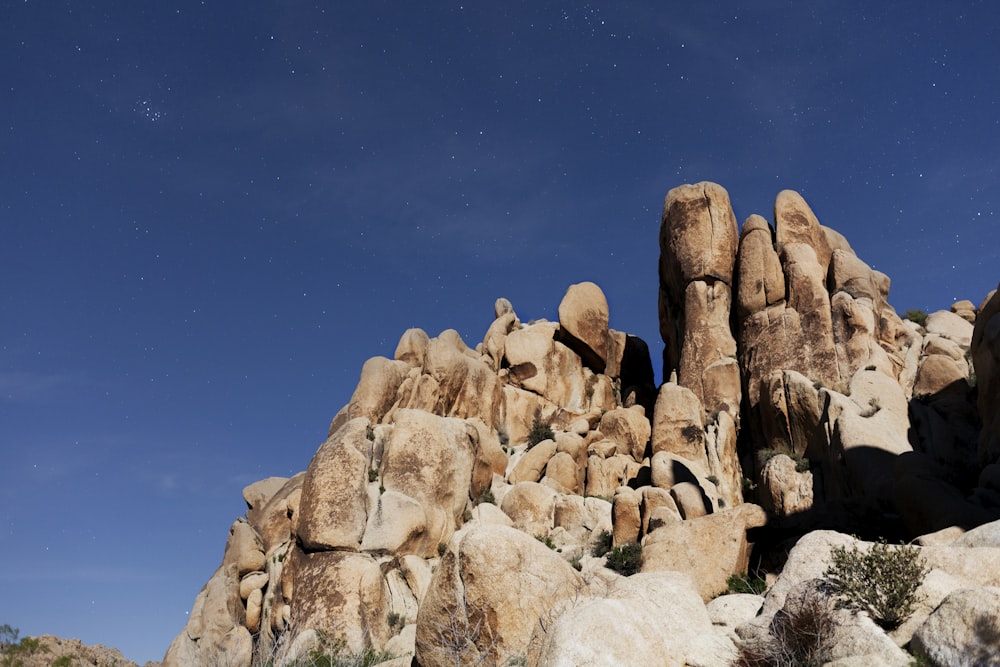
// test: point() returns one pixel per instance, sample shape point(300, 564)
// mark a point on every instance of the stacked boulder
point(451, 515)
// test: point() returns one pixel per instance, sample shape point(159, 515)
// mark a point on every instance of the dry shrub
point(800, 634)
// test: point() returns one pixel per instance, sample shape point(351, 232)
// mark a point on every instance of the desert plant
point(746, 583)
point(396, 621)
point(63, 661)
point(372, 474)
point(917, 316)
point(883, 581)
point(603, 544)
point(800, 635)
point(503, 435)
point(765, 455)
point(487, 497)
point(334, 653)
point(625, 559)
point(547, 541)
point(539, 431)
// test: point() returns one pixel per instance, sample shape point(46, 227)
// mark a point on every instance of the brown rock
point(985, 349)
point(430, 459)
point(678, 423)
point(583, 324)
point(412, 347)
point(760, 280)
point(545, 366)
point(486, 597)
point(710, 548)
point(626, 515)
point(343, 594)
point(698, 236)
point(376, 391)
point(531, 466)
point(785, 490)
point(629, 428)
point(333, 507)
point(795, 222)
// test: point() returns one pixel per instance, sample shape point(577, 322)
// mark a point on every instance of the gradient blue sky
point(211, 213)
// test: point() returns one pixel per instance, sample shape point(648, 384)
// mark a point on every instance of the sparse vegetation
point(396, 621)
point(692, 433)
point(746, 583)
point(714, 479)
point(487, 497)
point(764, 455)
point(625, 559)
point(503, 435)
point(372, 474)
point(334, 653)
point(13, 650)
point(917, 316)
point(370, 433)
point(547, 541)
point(800, 635)
point(883, 581)
point(603, 544)
point(539, 431)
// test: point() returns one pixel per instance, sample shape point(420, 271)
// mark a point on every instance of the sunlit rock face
point(455, 509)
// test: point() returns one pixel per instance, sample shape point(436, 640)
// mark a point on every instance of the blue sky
point(212, 213)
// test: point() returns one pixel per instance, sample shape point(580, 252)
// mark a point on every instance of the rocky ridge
point(442, 522)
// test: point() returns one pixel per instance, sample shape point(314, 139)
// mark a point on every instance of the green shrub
point(539, 431)
point(487, 497)
point(63, 661)
point(882, 580)
point(765, 455)
point(625, 559)
point(334, 653)
point(603, 544)
point(746, 583)
point(547, 541)
point(918, 317)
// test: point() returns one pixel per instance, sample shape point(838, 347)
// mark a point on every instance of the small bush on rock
point(800, 635)
point(603, 544)
point(918, 317)
point(539, 431)
point(882, 581)
point(625, 559)
point(746, 583)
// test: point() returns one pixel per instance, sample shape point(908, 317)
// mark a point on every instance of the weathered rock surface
point(427, 523)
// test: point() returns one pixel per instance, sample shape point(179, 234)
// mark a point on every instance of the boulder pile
point(453, 514)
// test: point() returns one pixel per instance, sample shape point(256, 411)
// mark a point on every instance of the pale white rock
point(963, 630)
point(397, 524)
point(785, 490)
point(727, 612)
point(951, 326)
point(647, 619)
point(491, 514)
point(489, 591)
point(531, 506)
point(402, 645)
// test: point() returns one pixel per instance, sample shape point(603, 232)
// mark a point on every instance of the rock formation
point(454, 509)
